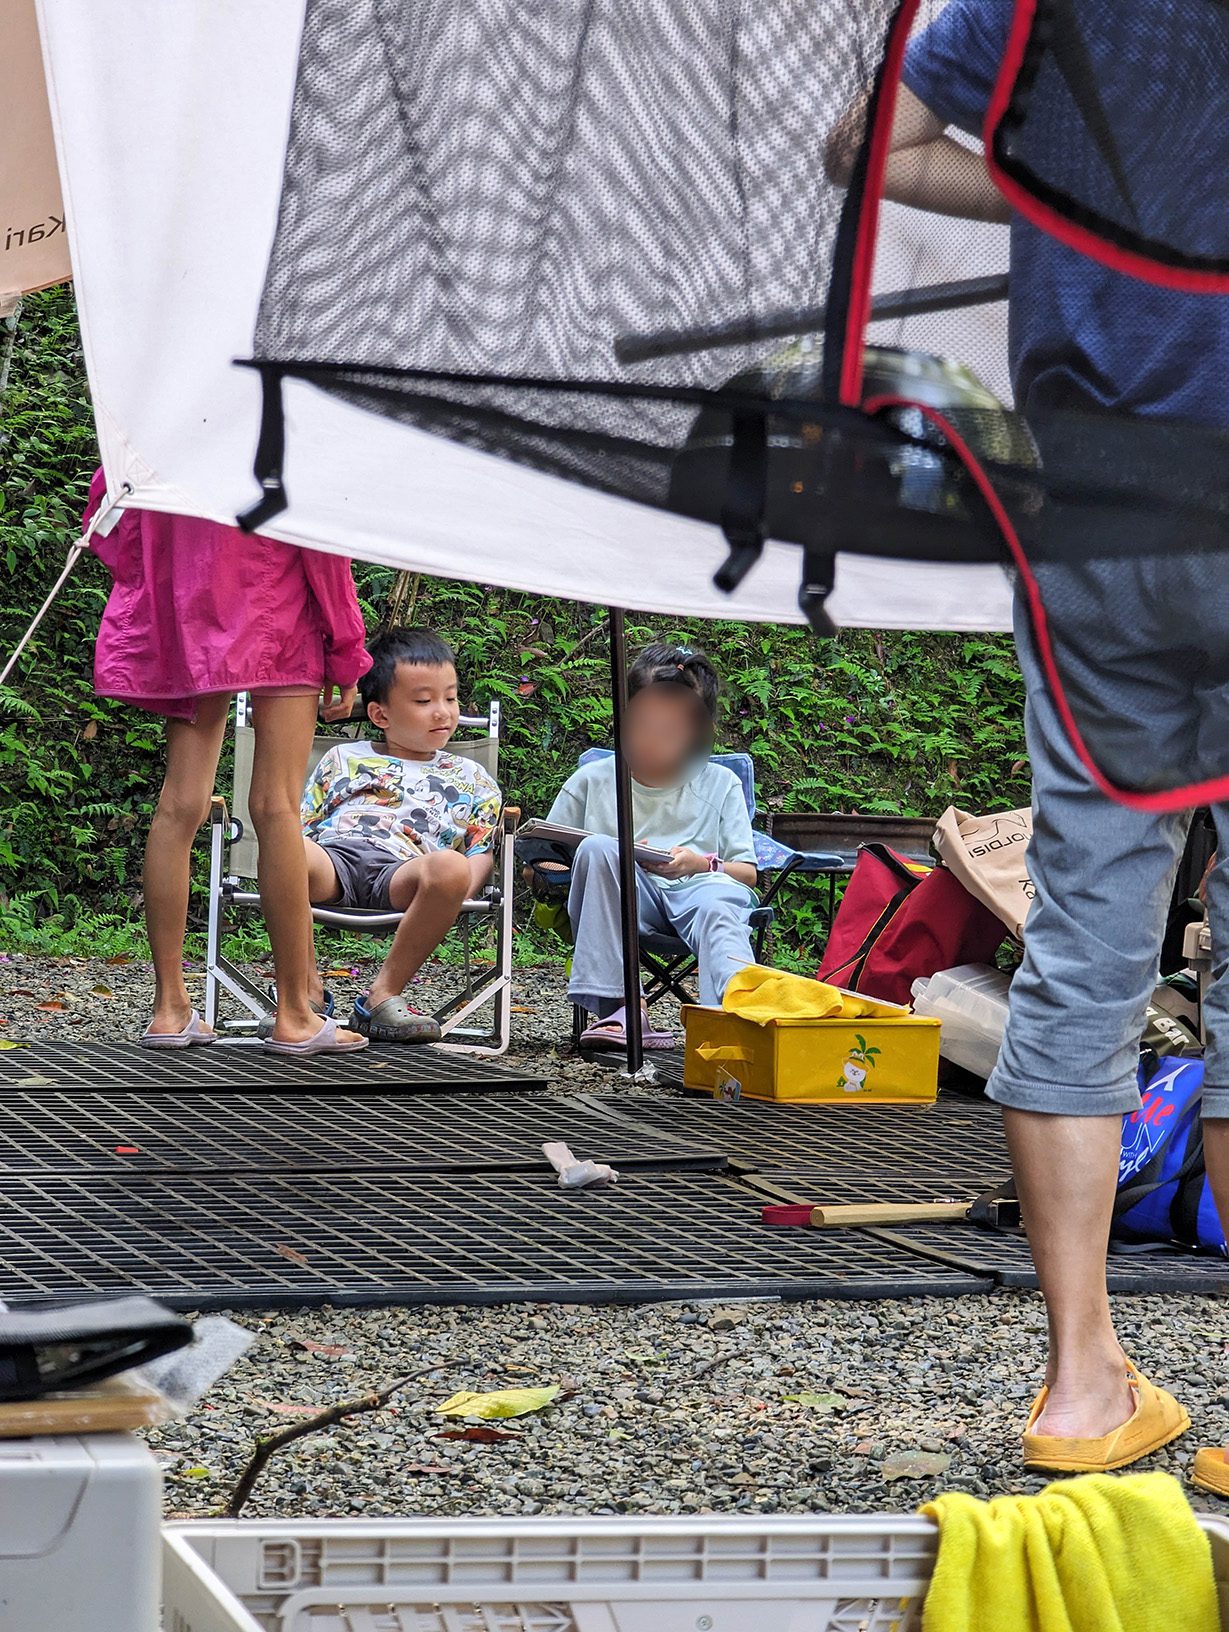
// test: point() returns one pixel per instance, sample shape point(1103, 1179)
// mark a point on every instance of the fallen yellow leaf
point(504, 1402)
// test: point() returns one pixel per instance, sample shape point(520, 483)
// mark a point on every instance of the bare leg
point(430, 891)
point(1066, 1170)
point(284, 730)
point(192, 750)
point(322, 886)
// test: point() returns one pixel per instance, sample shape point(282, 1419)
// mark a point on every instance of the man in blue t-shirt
point(1084, 340)
point(1082, 337)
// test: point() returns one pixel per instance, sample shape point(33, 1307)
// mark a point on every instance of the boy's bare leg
point(322, 886)
point(192, 749)
point(284, 730)
point(1066, 1170)
point(431, 892)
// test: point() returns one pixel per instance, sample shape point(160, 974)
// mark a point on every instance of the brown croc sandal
point(1156, 1420)
point(1211, 1471)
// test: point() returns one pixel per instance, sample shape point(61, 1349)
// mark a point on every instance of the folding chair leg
point(220, 974)
point(213, 934)
point(495, 988)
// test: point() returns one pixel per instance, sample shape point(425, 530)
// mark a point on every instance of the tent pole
point(628, 894)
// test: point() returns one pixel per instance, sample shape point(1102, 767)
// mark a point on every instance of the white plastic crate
point(79, 1522)
point(549, 1575)
point(852, 1574)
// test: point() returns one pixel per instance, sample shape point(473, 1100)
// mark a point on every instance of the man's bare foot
point(1086, 1409)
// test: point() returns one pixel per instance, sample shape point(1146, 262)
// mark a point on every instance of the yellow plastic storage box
point(890, 1057)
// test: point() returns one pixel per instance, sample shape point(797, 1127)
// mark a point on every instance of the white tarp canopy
point(171, 122)
point(33, 242)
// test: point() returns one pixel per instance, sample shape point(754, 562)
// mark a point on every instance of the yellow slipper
point(1211, 1471)
point(1156, 1420)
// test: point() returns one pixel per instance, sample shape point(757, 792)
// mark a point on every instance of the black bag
point(48, 1351)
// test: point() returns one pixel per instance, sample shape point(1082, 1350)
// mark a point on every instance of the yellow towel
point(1096, 1554)
point(764, 995)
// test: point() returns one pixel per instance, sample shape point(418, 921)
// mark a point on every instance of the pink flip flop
point(612, 1033)
point(326, 1041)
point(194, 1035)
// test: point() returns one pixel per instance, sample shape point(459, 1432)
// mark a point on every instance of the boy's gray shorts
point(364, 873)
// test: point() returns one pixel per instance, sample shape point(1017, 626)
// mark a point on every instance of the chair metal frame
point(232, 861)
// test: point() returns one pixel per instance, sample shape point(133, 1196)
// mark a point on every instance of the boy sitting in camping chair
point(404, 825)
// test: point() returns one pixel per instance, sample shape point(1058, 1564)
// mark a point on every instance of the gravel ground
point(670, 1409)
point(664, 1408)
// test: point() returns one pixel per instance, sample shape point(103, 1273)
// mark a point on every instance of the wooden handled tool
point(991, 1210)
point(871, 1212)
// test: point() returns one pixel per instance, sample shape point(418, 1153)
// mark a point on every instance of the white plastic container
point(80, 1529)
point(970, 1002)
point(727, 1574)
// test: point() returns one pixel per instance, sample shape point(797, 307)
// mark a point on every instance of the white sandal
point(194, 1035)
point(326, 1041)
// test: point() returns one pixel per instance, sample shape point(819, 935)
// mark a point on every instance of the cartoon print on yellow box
point(861, 1060)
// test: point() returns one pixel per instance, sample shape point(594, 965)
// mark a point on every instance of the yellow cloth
point(1096, 1554)
point(764, 995)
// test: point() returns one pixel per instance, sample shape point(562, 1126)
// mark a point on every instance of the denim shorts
point(364, 872)
point(1103, 877)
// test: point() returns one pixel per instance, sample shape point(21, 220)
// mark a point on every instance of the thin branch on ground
point(267, 1448)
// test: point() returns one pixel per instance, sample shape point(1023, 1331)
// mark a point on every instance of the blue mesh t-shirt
point(1081, 335)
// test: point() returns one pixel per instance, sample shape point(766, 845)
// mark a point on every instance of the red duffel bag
point(899, 921)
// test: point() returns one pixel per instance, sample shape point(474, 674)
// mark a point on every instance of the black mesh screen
point(494, 192)
point(627, 243)
point(617, 243)
point(1118, 119)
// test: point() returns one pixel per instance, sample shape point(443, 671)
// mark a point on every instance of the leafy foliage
point(872, 722)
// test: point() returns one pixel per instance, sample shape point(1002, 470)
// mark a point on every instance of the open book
point(570, 837)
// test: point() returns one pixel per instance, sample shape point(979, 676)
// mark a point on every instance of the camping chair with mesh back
point(232, 868)
point(668, 962)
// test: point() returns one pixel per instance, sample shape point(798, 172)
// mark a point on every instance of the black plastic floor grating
point(328, 1133)
point(244, 1066)
point(269, 1241)
point(955, 1138)
point(1005, 1256)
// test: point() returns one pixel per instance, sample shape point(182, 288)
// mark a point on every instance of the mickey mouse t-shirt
point(406, 806)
